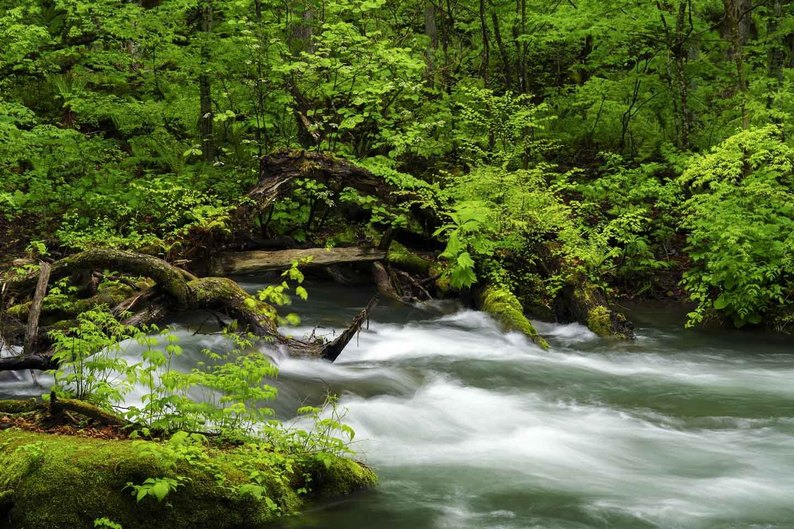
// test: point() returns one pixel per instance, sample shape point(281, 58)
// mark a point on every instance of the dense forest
point(534, 159)
point(644, 145)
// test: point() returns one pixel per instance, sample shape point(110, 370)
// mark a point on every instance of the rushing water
point(469, 427)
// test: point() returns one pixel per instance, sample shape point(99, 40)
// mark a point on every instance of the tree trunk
point(680, 53)
point(486, 47)
point(737, 30)
point(581, 301)
point(431, 32)
point(502, 51)
point(205, 87)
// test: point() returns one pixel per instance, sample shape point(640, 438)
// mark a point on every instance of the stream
point(469, 427)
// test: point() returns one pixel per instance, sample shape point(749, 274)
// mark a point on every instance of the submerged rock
point(62, 481)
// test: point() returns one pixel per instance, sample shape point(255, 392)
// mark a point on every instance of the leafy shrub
point(740, 224)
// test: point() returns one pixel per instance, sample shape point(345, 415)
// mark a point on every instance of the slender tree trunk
point(205, 87)
point(431, 32)
point(524, 49)
point(502, 50)
point(32, 332)
point(777, 45)
point(680, 53)
point(303, 30)
point(486, 47)
point(737, 30)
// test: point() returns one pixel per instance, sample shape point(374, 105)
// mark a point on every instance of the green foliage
point(498, 215)
point(501, 130)
point(278, 294)
point(106, 523)
point(92, 366)
point(740, 222)
point(155, 488)
point(628, 216)
point(546, 139)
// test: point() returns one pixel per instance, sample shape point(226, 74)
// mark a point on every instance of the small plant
point(157, 488)
point(90, 356)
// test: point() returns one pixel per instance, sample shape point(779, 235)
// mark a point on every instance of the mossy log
point(66, 482)
point(55, 407)
point(504, 307)
point(174, 288)
point(581, 301)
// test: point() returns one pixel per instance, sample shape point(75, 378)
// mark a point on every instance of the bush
point(740, 224)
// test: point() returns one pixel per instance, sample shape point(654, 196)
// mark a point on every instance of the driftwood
point(24, 362)
point(175, 290)
point(262, 261)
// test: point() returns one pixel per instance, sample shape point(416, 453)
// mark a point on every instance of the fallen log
point(22, 362)
point(175, 290)
point(268, 261)
point(58, 406)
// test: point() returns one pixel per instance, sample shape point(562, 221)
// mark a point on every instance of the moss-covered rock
point(61, 482)
point(581, 301)
point(505, 307)
point(599, 320)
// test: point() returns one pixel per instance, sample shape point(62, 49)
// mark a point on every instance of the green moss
point(20, 311)
point(442, 283)
point(61, 482)
point(341, 477)
point(599, 320)
point(404, 258)
point(507, 310)
point(20, 406)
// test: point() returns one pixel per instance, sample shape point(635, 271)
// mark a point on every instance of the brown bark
point(32, 332)
point(505, 58)
point(383, 281)
point(486, 47)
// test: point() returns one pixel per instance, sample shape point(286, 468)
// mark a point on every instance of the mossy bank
point(59, 482)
